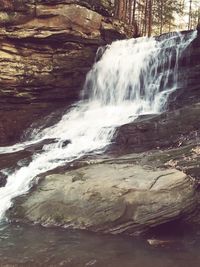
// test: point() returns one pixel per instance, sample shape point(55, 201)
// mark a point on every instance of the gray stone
point(110, 198)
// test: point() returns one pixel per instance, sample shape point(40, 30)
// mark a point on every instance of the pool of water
point(23, 245)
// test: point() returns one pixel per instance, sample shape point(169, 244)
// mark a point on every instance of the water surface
point(22, 245)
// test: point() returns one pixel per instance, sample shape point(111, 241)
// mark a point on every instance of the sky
point(182, 21)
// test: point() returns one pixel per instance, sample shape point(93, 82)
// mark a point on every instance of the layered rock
point(170, 139)
point(46, 49)
point(168, 130)
point(188, 77)
point(114, 196)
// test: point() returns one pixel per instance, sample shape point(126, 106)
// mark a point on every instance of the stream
point(22, 245)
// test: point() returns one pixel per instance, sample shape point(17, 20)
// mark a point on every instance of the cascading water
point(133, 77)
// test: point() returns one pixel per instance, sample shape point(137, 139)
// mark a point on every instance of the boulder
point(109, 197)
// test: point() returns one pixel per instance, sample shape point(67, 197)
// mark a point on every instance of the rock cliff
point(46, 48)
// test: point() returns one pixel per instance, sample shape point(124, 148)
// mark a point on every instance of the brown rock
point(46, 49)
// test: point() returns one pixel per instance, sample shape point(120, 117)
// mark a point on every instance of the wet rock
point(168, 130)
point(3, 179)
point(19, 117)
point(198, 28)
point(160, 243)
point(65, 143)
point(39, 145)
point(10, 160)
point(101, 50)
point(188, 77)
point(110, 197)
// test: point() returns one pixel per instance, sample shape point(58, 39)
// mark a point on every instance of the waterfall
point(133, 77)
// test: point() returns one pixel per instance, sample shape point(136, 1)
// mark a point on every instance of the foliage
point(158, 16)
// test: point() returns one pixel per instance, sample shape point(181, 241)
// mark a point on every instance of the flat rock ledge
point(109, 198)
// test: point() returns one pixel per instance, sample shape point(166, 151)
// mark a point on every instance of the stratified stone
point(110, 198)
point(168, 130)
point(46, 49)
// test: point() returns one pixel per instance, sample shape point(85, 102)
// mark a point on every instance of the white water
point(132, 78)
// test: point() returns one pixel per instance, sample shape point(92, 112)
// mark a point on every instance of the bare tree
point(154, 16)
point(150, 18)
point(190, 15)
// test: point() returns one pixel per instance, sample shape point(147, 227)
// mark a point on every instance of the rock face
point(170, 129)
point(46, 49)
point(110, 197)
point(188, 77)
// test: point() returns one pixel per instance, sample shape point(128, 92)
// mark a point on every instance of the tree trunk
point(161, 16)
point(145, 17)
point(130, 12)
point(190, 15)
point(134, 7)
point(117, 8)
point(150, 18)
